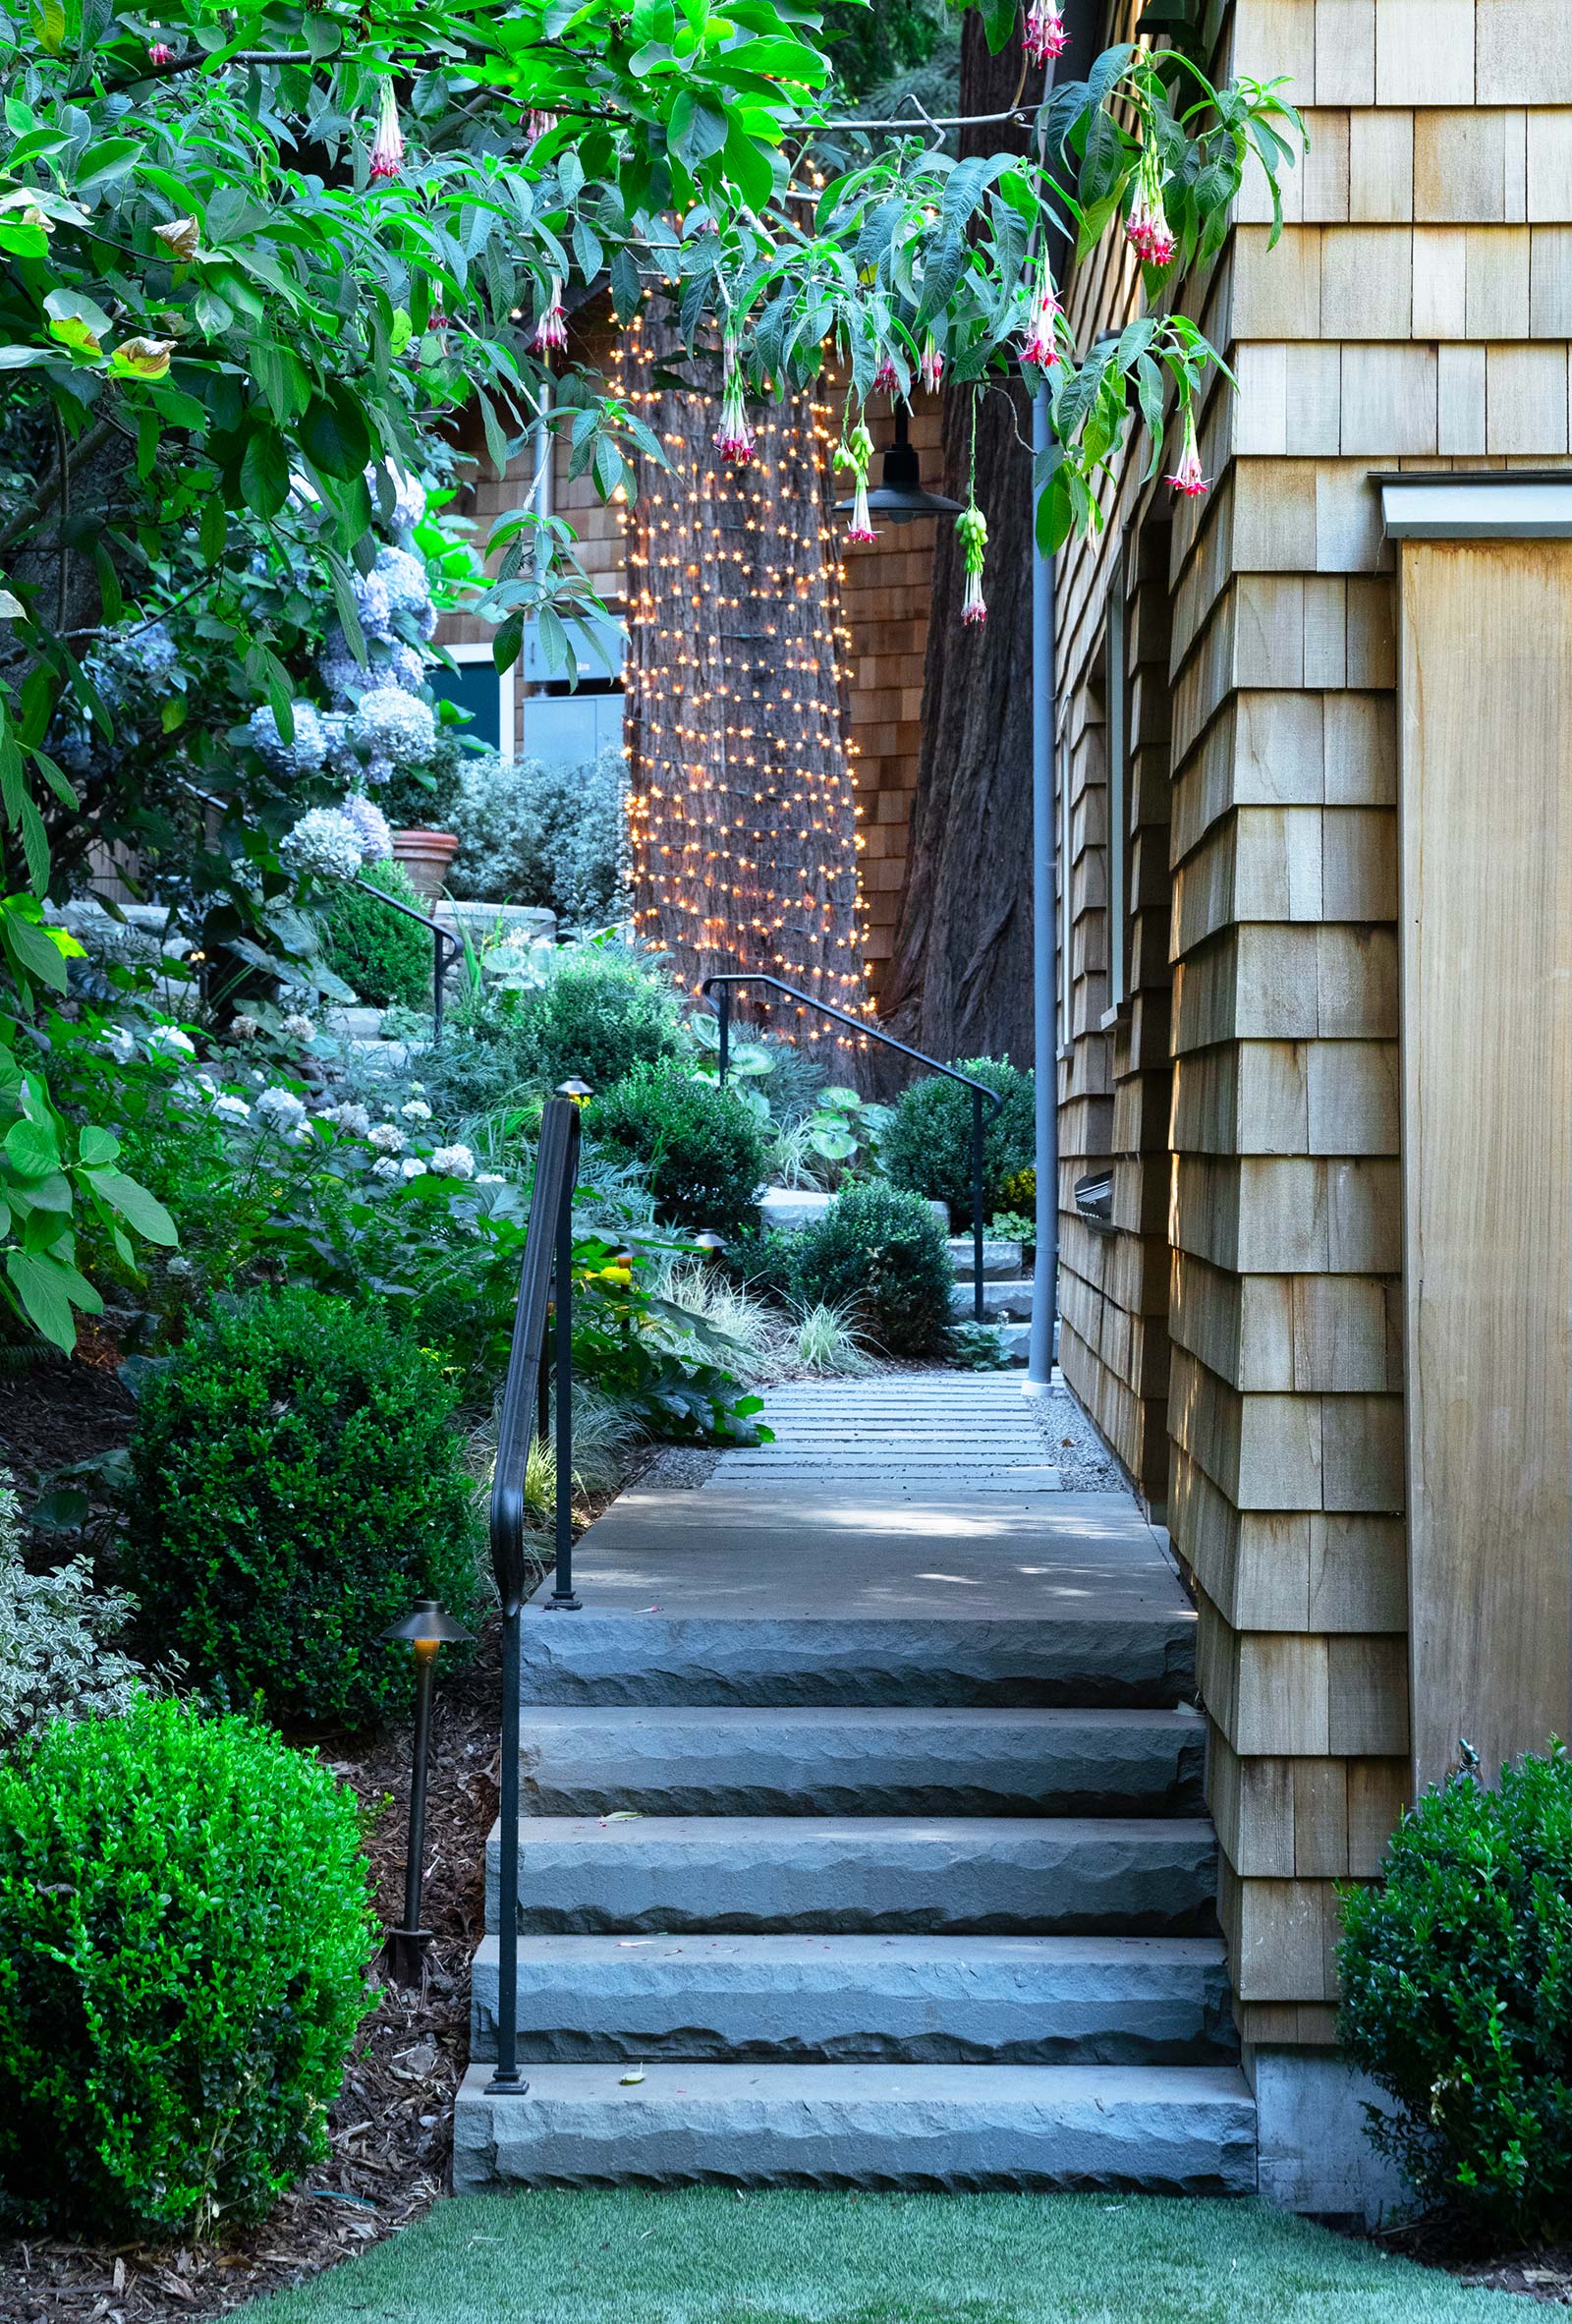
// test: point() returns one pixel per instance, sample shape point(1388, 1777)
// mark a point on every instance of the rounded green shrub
point(598, 1014)
point(1457, 1997)
point(880, 1252)
point(701, 1148)
point(296, 1485)
point(383, 956)
point(928, 1147)
point(184, 1935)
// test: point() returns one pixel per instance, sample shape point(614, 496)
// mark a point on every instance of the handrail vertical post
point(977, 1204)
point(562, 1597)
point(507, 2080)
point(725, 1032)
point(439, 980)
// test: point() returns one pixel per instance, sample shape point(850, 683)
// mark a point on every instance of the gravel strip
point(1085, 1466)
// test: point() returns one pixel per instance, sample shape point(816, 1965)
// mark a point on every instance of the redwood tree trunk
point(959, 983)
point(742, 809)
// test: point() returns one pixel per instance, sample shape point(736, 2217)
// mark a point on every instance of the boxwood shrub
point(385, 956)
point(928, 1147)
point(183, 1936)
point(1457, 1997)
point(882, 1253)
point(296, 1487)
point(701, 1147)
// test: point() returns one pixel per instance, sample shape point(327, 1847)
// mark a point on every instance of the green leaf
point(97, 1146)
point(76, 322)
point(32, 1148)
point(34, 953)
point(48, 20)
point(139, 1209)
point(334, 435)
point(264, 472)
point(108, 159)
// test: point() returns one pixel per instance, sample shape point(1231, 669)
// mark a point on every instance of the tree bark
point(742, 805)
point(959, 982)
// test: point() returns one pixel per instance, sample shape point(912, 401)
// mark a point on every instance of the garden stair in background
point(870, 1830)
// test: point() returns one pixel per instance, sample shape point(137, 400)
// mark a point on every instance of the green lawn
point(708, 2256)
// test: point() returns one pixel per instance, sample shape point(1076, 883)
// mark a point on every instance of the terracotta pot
point(425, 856)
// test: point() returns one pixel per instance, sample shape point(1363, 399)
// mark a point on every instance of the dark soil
point(392, 2127)
point(1543, 2272)
point(61, 1411)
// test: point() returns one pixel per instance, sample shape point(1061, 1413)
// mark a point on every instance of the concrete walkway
point(917, 1436)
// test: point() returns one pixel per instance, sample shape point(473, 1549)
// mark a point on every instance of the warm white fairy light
point(721, 731)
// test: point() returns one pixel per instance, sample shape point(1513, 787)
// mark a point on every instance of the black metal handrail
point(978, 1089)
point(525, 1413)
point(445, 949)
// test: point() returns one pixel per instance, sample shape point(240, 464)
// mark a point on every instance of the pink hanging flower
point(1187, 476)
point(885, 380)
point(734, 438)
point(855, 452)
point(538, 124)
point(1146, 229)
point(160, 53)
point(551, 331)
point(1042, 345)
point(1045, 37)
point(387, 150)
point(931, 368)
point(972, 527)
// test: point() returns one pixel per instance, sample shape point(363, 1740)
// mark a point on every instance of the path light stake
point(426, 1632)
point(710, 1243)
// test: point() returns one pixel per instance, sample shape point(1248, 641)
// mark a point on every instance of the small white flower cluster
point(299, 1026)
point(323, 841)
point(416, 1110)
point(281, 1109)
point(306, 755)
point(168, 1040)
point(387, 1139)
point(244, 1027)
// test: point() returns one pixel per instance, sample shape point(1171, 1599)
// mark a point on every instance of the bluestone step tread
point(1162, 2129)
point(1124, 1650)
point(1010, 1876)
point(980, 2000)
point(684, 1760)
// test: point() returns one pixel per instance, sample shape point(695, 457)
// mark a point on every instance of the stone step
point(984, 2001)
point(1113, 1651)
point(681, 1760)
point(1006, 1299)
point(896, 1876)
point(1160, 2129)
point(998, 1259)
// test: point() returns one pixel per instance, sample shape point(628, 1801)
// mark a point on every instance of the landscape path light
point(425, 1632)
point(575, 1088)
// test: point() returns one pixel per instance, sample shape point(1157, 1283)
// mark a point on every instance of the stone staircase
point(1006, 1292)
point(847, 1901)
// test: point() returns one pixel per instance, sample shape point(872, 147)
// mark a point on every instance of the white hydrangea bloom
point(245, 1028)
point(168, 1040)
point(231, 1108)
point(306, 753)
point(323, 841)
point(413, 1166)
point(299, 1026)
point(115, 1042)
point(387, 1167)
point(376, 835)
point(409, 496)
point(349, 1117)
point(416, 1110)
point(281, 1107)
point(387, 1139)
point(453, 1162)
point(298, 1133)
point(490, 1178)
point(392, 725)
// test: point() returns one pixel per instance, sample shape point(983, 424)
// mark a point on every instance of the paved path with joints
point(909, 1436)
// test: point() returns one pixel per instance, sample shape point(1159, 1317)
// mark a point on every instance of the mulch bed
point(1543, 2273)
point(392, 2127)
point(58, 1413)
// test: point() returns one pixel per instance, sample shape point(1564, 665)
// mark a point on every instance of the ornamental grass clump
point(882, 1255)
point(1457, 1997)
point(185, 1930)
point(296, 1484)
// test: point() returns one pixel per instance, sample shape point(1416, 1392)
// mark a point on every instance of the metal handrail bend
point(978, 1089)
point(526, 1412)
point(445, 949)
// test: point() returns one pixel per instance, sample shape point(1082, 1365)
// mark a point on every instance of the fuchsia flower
point(973, 528)
point(885, 380)
point(855, 452)
point(931, 368)
point(734, 438)
point(1042, 345)
point(1045, 37)
point(387, 150)
point(538, 124)
point(160, 53)
point(1147, 228)
point(551, 331)
point(1187, 476)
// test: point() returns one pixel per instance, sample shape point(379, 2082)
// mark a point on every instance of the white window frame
point(507, 696)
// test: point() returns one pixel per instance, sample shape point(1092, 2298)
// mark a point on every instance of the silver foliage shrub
point(552, 836)
point(54, 1662)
